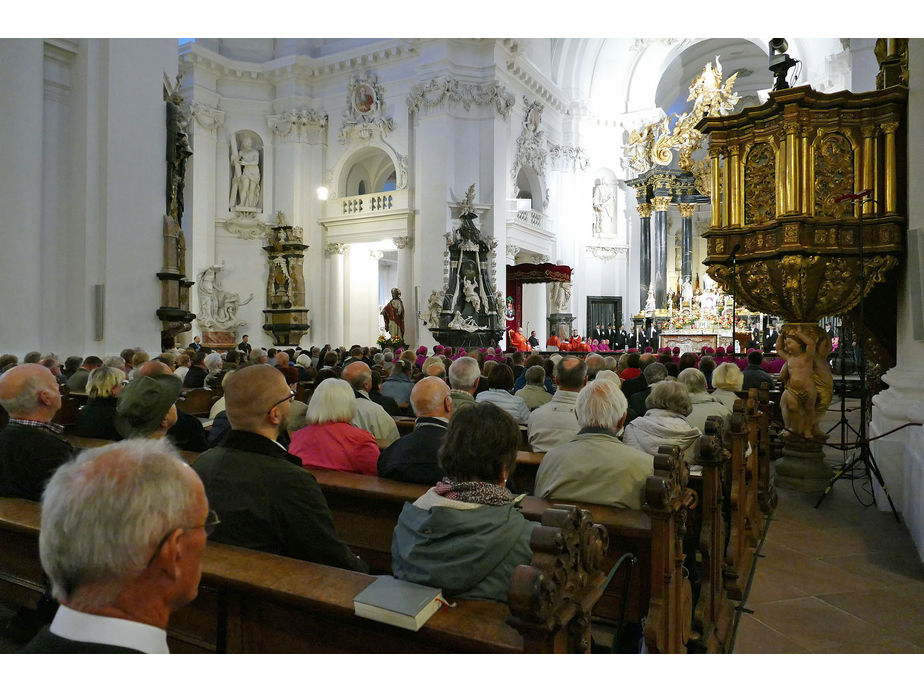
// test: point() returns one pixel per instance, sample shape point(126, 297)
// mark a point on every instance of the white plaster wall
point(21, 271)
point(88, 193)
point(898, 456)
point(361, 295)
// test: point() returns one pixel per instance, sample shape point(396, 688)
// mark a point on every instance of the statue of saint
point(469, 288)
point(393, 312)
point(245, 185)
point(435, 306)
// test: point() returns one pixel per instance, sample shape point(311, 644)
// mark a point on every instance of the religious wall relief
point(218, 307)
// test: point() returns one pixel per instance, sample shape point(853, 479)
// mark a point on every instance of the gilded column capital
point(889, 128)
point(661, 204)
point(644, 209)
point(335, 248)
point(791, 127)
point(868, 131)
point(686, 209)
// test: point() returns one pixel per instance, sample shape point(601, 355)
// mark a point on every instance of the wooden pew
point(251, 601)
point(766, 492)
point(739, 552)
point(713, 614)
point(366, 509)
point(198, 401)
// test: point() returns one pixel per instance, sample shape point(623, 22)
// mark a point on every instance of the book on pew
point(398, 602)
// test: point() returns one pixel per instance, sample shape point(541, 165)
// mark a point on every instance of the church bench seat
point(198, 401)
point(251, 601)
point(366, 509)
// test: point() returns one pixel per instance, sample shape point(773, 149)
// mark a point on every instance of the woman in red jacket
point(330, 441)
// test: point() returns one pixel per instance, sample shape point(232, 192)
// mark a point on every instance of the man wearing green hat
point(147, 406)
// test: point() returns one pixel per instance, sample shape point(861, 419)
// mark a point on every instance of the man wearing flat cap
point(147, 406)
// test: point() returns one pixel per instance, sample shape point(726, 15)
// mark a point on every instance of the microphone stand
point(865, 455)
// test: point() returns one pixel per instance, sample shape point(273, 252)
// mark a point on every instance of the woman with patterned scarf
point(466, 534)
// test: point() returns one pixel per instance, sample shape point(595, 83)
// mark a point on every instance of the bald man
point(30, 445)
point(369, 416)
point(265, 499)
point(413, 457)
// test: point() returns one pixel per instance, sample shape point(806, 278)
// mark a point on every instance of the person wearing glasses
point(266, 499)
point(117, 568)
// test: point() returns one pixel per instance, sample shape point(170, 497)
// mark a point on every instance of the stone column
point(644, 275)
point(660, 205)
point(411, 323)
point(334, 252)
point(686, 242)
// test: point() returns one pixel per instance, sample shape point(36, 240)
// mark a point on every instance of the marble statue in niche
point(246, 176)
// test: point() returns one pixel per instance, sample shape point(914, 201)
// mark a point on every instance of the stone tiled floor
point(842, 578)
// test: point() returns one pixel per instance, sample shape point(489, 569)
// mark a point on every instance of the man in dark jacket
point(195, 376)
point(413, 457)
point(30, 446)
point(754, 373)
point(265, 499)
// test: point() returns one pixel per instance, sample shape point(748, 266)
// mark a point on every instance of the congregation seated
point(8, 361)
point(266, 500)
point(183, 361)
point(96, 419)
point(369, 416)
point(146, 406)
point(703, 404)
point(638, 383)
point(464, 376)
point(329, 441)
point(632, 369)
point(31, 448)
point(214, 364)
point(533, 391)
point(707, 366)
point(754, 373)
point(53, 365)
point(466, 535)
point(139, 356)
point(500, 384)
point(375, 394)
point(434, 366)
point(77, 382)
point(398, 384)
point(727, 379)
point(653, 373)
point(187, 432)
point(285, 367)
point(123, 531)
point(554, 423)
point(195, 376)
point(595, 466)
point(664, 422)
point(414, 457)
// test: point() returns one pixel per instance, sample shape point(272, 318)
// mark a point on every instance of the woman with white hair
point(214, 363)
point(703, 404)
point(727, 379)
point(330, 441)
point(665, 421)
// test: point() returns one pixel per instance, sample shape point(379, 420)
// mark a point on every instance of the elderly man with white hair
point(595, 466)
point(124, 527)
point(464, 375)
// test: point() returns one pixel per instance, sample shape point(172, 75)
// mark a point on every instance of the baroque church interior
point(319, 174)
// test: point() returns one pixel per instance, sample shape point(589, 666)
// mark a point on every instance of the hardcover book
point(398, 602)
